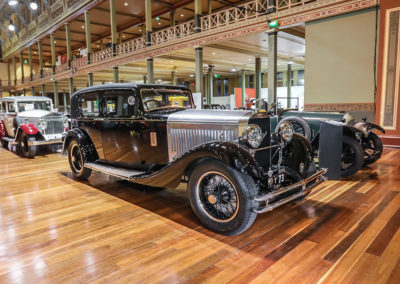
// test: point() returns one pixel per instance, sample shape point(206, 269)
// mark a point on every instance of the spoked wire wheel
point(221, 197)
point(218, 197)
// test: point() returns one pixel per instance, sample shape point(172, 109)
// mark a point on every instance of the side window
point(121, 104)
point(89, 105)
point(11, 107)
point(4, 106)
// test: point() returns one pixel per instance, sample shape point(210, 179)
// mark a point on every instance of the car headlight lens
point(347, 118)
point(42, 124)
point(365, 130)
point(65, 122)
point(286, 130)
point(253, 134)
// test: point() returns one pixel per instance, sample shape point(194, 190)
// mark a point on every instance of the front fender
point(374, 126)
point(29, 128)
point(88, 150)
point(230, 153)
point(351, 130)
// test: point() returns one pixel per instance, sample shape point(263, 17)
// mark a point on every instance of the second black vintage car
point(234, 166)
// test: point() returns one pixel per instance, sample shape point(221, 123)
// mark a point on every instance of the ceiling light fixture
point(11, 26)
point(12, 2)
point(182, 15)
point(191, 75)
point(233, 69)
point(126, 3)
point(33, 6)
point(82, 27)
point(157, 18)
point(290, 62)
point(159, 80)
point(213, 53)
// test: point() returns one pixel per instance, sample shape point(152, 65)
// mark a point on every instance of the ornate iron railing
point(131, 45)
point(102, 55)
point(79, 62)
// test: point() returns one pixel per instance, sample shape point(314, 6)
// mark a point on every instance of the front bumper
point(272, 200)
point(44, 142)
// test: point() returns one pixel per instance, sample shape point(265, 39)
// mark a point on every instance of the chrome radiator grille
point(190, 128)
point(182, 140)
point(54, 125)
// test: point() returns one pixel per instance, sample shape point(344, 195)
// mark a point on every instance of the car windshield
point(39, 105)
point(156, 99)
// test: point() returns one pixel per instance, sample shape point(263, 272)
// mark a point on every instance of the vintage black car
point(152, 135)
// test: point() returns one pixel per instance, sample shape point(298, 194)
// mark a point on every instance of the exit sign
point(274, 24)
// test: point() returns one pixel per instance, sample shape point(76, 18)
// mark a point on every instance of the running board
point(113, 171)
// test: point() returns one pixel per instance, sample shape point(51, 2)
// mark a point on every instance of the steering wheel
point(148, 101)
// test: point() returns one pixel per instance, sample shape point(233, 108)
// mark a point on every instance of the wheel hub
point(212, 199)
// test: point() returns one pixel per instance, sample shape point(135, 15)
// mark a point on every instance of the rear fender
point(88, 150)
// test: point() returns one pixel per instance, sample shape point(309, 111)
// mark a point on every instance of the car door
point(90, 118)
point(122, 129)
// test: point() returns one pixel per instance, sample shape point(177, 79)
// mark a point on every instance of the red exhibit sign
point(250, 93)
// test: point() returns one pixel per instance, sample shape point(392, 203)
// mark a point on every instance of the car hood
point(34, 113)
point(208, 116)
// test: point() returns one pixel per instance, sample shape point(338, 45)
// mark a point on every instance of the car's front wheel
point(29, 151)
point(352, 158)
point(4, 144)
point(373, 148)
point(222, 198)
point(76, 161)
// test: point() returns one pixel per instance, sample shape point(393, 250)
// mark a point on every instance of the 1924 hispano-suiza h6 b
point(234, 166)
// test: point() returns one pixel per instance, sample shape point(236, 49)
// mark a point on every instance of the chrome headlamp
point(253, 135)
point(365, 130)
point(286, 131)
point(42, 124)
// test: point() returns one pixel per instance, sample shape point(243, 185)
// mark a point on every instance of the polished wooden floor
point(57, 230)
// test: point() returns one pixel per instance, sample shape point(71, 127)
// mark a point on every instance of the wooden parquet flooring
point(57, 230)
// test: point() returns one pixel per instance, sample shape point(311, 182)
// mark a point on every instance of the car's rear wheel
point(29, 151)
point(352, 158)
point(373, 148)
point(76, 161)
point(222, 198)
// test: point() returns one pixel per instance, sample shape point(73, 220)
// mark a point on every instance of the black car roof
point(113, 86)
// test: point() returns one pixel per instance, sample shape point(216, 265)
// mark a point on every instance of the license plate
point(279, 178)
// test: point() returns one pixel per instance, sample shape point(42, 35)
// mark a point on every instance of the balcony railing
point(223, 18)
point(129, 46)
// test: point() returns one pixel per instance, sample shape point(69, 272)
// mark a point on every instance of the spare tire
point(300, 125)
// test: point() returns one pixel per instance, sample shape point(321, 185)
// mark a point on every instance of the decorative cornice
point(327, 11)
point(340, 107)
